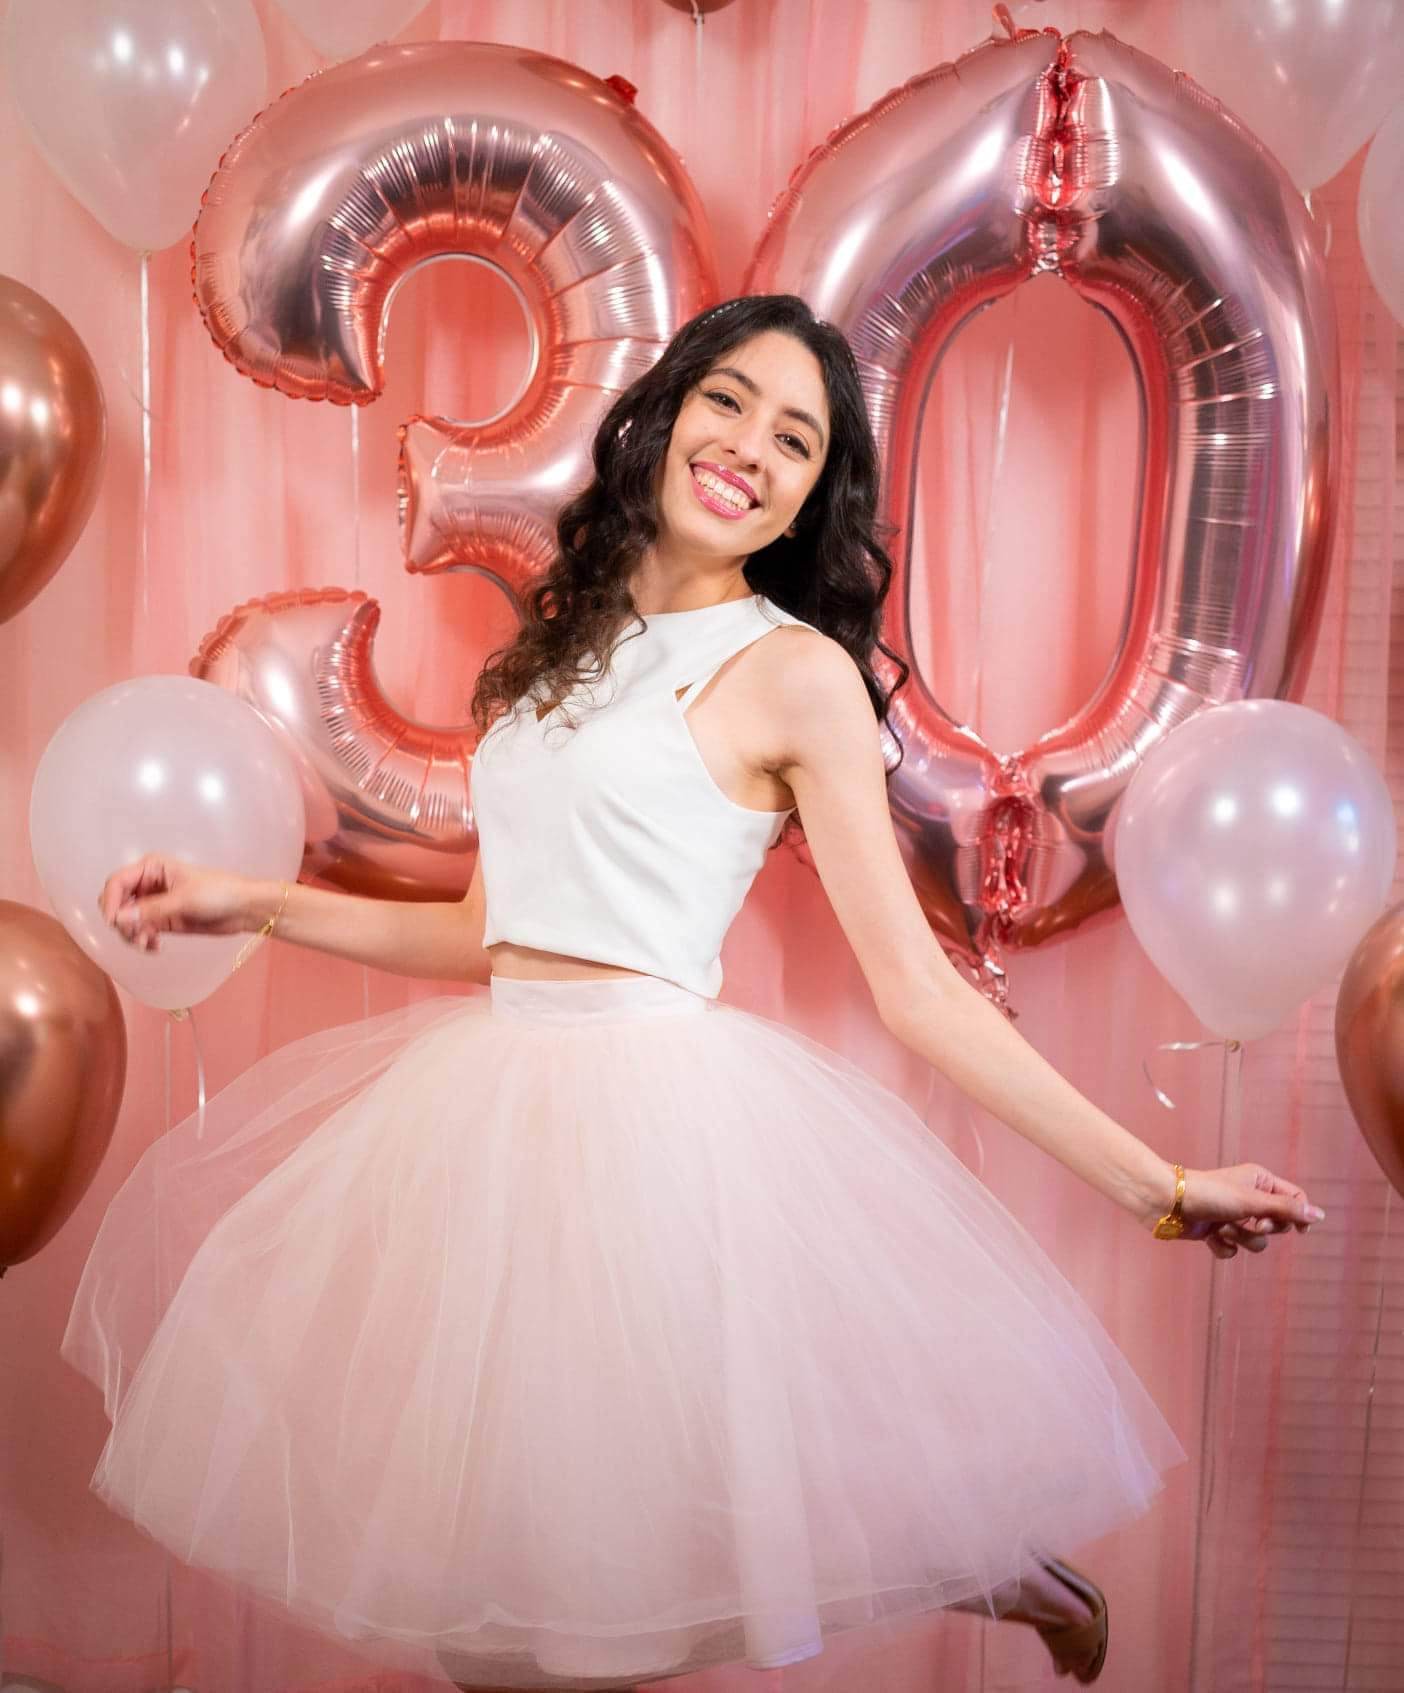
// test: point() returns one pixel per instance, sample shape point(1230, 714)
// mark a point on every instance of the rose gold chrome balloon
point(324, 204)
point(53, 436)
point(317, 212)
point(386, 797)
point(63, 1065)
point(1089, 160)
point(1370, 1041)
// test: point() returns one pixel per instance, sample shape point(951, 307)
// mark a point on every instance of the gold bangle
point(1172, 1225)
point(267, 929)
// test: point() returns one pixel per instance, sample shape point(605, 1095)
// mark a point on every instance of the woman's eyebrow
point(753, 388)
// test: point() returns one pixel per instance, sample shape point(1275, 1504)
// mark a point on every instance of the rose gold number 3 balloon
point(317, 211)
point(1085, 158)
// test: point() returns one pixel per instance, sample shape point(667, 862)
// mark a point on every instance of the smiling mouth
point(720, 496)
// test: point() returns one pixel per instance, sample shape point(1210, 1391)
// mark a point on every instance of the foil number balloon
point(318, 209)
point(1085, 158)
point(1075, 156)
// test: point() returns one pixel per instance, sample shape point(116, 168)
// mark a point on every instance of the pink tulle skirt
point(584, 1332)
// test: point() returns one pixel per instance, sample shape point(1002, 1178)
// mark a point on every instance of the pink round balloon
point(1083, 158)
point(160, 764)
point(1254, 848)
point(131, 101)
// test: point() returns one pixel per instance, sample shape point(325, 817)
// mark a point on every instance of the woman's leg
point(1039, 1596)
point(1065, 1607)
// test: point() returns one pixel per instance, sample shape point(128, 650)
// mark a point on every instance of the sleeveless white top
point(611, 841)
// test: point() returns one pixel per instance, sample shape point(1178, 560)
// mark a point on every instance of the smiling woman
point(593, 1330)
point(745, 457)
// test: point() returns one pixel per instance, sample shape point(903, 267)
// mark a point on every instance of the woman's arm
point(156, 895)
point(435, 939)
point(828, 752)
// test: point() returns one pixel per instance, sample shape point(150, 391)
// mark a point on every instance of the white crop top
point(611, 841)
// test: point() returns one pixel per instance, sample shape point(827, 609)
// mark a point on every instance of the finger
point(1220, 1248)
point(147, 876)
point(141, 918)
point(1233, 1234)
point(1249, 1238)
point(116, 890)
point(125, 885)
point(1287, 1209)
point(1296, 1196)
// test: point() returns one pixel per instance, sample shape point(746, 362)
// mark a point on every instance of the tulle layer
point(592, 1330)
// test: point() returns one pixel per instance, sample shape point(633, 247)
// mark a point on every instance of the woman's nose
point(747, 442)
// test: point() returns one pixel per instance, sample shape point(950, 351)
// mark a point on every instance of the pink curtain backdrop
point(1286, 1573)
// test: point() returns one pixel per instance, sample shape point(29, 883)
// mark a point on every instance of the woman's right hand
point(158, 895)
point(1243, 1205)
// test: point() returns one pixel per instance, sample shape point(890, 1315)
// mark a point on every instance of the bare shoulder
point(805, 662)
point(814, 691)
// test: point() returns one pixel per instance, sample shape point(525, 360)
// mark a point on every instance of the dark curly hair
point(833, 573)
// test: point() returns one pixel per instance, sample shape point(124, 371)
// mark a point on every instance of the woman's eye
point(800, 445)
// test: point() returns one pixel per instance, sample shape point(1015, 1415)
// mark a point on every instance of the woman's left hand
point(1243, 1205)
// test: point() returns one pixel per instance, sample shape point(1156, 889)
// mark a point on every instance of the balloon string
point(199, 1076)
point(1229, 1045)
point(164, 1621)
point(1325, 225)
point(1218, 1400)
point(1369, 1414)
point(356, 495)
point(697, 30)
point(356, 565)
point(145, 437)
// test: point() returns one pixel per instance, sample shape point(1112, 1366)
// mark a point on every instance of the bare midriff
point(531, 964)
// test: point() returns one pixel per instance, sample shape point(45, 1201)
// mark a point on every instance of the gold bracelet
point(267, 929)
point(1172, 1225)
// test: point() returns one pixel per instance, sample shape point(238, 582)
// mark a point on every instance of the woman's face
point(746, 450)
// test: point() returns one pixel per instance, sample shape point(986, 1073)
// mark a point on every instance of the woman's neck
point(656, 589)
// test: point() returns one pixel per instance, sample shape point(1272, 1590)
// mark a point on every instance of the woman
point(592, 1330)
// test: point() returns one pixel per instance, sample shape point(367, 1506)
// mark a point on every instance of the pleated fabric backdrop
point(1026, 509)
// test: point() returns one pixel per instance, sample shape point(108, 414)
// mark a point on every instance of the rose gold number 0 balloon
point(1085, 158)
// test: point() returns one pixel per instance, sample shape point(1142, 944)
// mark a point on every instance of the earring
point(791, 531)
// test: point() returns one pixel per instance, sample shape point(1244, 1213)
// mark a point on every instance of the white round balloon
point(165, 764)
point(1313, 79)
point(132, 102)
point(1254, 847)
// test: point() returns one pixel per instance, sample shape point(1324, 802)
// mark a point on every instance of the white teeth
point(724, 490)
